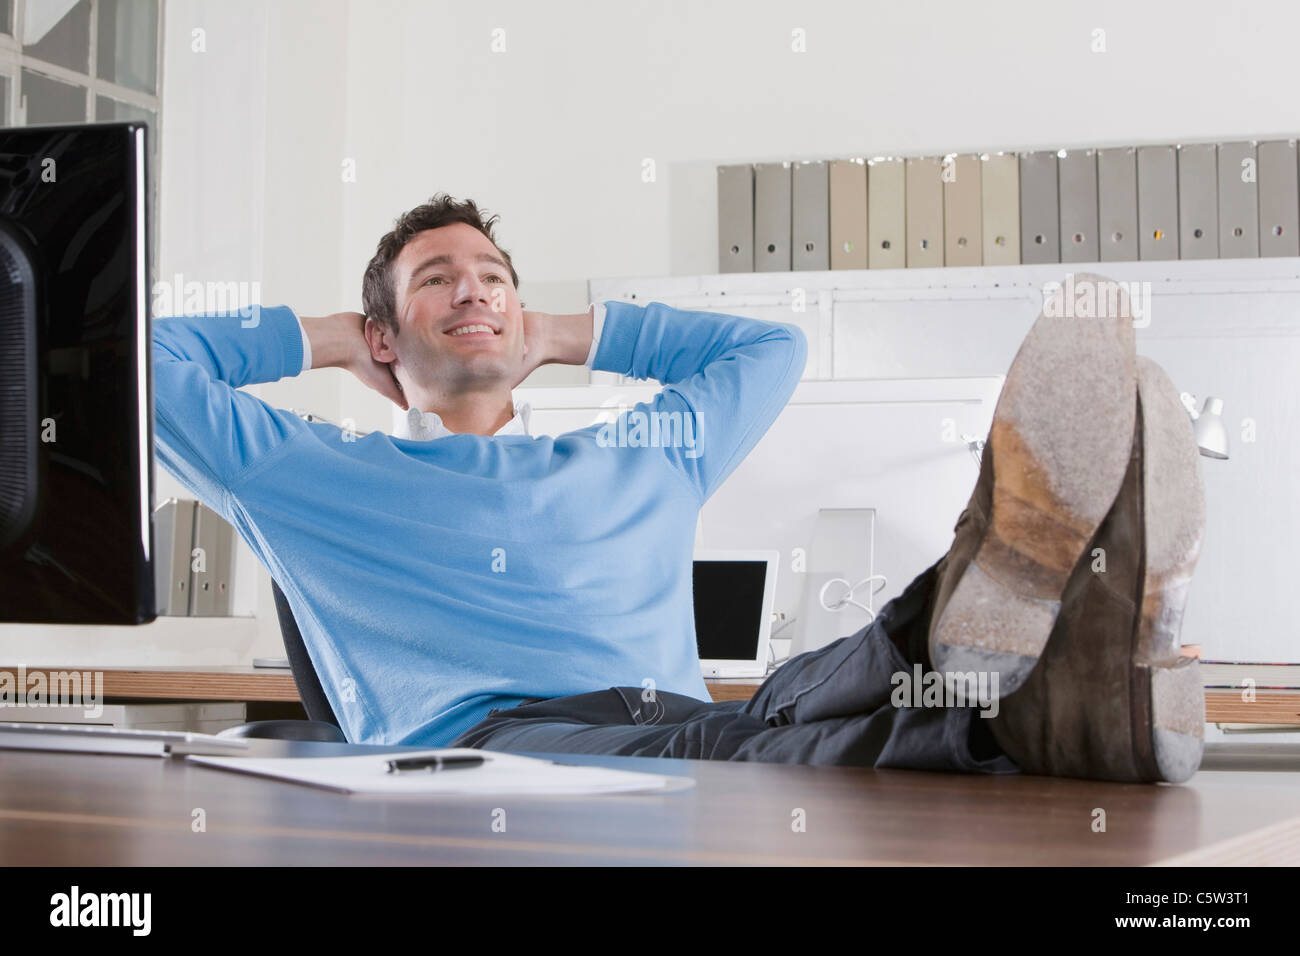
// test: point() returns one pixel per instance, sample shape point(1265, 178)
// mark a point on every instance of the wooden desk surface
point(273, 684)
point(88, 810)
point(231, 682)
point(237, 682)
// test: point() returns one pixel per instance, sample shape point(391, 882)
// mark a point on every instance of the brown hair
point(378, 297)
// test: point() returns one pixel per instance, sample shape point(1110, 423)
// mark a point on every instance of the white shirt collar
point(417, 425)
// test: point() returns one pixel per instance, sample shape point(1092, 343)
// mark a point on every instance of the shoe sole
point(1167, 693)
point(1061, 442)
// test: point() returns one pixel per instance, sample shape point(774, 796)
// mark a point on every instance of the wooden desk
point(191, 683)
point(88, 810)
point(273, 686)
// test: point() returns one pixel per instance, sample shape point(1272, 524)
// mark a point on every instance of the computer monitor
point(76, 408)
point(733, 593)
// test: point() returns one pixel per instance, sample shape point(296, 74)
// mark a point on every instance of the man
point(471, 585)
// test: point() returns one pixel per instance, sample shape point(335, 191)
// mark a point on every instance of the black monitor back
point(76, 407)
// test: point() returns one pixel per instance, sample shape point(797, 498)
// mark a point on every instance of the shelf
point(1178, 275)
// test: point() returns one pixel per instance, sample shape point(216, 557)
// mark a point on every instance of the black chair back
point(313, 696)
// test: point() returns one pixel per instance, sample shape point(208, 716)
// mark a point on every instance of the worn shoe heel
point(1060, 444)
point(1169, 743)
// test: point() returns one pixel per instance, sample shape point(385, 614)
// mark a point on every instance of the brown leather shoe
point(1112, 697)
point(1056, 455)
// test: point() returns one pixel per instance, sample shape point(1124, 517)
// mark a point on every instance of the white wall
point(553, 134)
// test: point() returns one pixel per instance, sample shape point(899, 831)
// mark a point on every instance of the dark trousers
point(829, 706)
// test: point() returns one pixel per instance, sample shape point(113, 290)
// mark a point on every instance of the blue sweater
point(434, 581)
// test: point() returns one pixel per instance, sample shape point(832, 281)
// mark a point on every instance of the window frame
point(13, 61)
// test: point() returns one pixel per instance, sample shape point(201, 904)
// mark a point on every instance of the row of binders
point(1193, 201)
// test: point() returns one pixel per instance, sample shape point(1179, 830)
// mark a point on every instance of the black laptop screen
point(728, 608)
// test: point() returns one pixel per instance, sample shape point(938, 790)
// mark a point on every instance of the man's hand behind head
point(555, 340)
point(536, 326)
point(339, 341)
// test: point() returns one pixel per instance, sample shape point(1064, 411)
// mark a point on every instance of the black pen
point(431, 764)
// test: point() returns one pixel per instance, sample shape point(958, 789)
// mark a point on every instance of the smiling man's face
point(459, 317)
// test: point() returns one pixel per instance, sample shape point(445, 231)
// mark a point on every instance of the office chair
point(321, 724)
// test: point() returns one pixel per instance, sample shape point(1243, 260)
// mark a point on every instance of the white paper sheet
point(501, 773)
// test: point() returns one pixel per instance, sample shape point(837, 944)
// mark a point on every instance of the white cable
point(848, 598)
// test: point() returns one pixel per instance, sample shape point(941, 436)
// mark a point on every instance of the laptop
point(734, 594)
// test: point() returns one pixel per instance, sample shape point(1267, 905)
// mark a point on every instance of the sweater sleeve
point(727, 378)
point(206, 432)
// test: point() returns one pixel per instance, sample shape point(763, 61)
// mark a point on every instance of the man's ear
point(379, 339)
